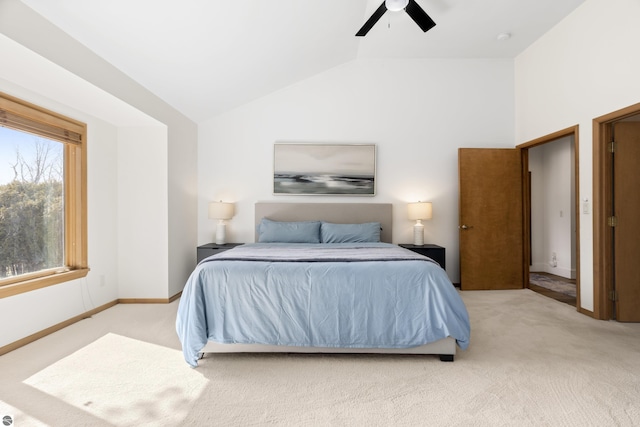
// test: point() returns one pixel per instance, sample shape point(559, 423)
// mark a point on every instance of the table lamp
point(419, 211)
point(221, 211)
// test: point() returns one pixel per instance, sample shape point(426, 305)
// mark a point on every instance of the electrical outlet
point(103, 280)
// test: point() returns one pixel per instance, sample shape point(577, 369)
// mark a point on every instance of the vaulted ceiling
point(205, 57)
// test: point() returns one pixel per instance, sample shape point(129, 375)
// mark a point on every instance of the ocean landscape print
point(324, 169)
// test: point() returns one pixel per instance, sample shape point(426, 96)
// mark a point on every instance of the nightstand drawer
point(435, 252)
point(209, 249)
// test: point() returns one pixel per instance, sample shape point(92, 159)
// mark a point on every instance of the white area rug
point(532, 361)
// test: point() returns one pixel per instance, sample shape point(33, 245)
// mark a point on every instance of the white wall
point(583, 68)
point(417, 112)
point(40, 64)
point(142, 164)
point(552, 207)
point(182, 193)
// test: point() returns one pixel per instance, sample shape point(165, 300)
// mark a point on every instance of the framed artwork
point(324, 169)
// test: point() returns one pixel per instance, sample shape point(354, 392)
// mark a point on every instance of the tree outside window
point(31, 203)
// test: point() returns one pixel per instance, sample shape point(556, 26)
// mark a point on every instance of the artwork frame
point(324, 169)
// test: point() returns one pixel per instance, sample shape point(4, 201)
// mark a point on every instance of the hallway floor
point(567, 299)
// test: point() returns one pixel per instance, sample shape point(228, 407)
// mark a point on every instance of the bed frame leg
point(446, 357)
point(200, 356)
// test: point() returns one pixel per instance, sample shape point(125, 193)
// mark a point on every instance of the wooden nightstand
point(213, 248)
point(435, 252)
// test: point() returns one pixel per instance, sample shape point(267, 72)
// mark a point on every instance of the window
point(43, 224)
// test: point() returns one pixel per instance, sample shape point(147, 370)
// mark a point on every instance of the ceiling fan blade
point(372, 20)
point(421, 18)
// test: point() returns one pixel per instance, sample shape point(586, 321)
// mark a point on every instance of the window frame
point(26, 117)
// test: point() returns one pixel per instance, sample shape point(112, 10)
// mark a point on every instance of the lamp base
point(221, 232)
point(418, 234)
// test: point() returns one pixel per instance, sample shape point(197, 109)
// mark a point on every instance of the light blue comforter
point(364, 295)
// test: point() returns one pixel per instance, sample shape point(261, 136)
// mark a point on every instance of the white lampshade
point(420, 210)
point(221, 210)
point(396, 5)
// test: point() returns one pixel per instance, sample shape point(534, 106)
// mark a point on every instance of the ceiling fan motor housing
point(396, 5)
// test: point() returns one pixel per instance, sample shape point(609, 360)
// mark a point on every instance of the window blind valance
point(43, 123)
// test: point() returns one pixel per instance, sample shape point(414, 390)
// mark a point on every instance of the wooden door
point(491, 218)
point(626, 240)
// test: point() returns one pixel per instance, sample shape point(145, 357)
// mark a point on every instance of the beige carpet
point(124, 381)
point(532, 362)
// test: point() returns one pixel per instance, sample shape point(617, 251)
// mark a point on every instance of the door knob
point(465, 227)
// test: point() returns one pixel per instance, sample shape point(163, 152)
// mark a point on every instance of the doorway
point(616, 236)
point(550, 168)
point(552, 212)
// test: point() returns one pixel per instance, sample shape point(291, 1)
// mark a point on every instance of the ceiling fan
point(410, 6)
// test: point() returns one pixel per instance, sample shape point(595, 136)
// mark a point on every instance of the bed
point(322, 278)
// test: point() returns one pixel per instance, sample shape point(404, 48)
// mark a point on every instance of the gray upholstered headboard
point(340, 213)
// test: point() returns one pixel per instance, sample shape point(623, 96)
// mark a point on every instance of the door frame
point(602, 202)
point(524, 149)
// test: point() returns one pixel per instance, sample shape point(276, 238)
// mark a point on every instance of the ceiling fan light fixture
point(396, 5)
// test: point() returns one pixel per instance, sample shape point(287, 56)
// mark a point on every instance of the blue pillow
point(350, 233)
point(288, 232)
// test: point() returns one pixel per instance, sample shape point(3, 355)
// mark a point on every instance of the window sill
point(41, 282)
